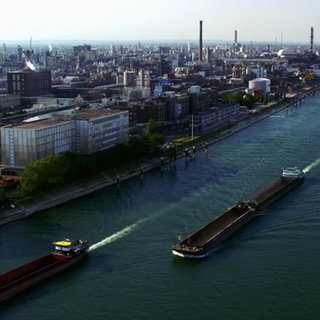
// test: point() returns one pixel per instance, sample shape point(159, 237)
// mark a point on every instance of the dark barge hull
point(274, 191)
point(30, 274)
point(201, 242)
point(206, 239)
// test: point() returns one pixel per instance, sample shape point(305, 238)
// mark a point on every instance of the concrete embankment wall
point(62, 196)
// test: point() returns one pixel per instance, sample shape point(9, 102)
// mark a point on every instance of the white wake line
point(312, 165)
point(131, 228)
point(118, 235)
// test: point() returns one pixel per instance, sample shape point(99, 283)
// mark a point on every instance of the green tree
point(137, 147)
point(151, 127)
point(153, 136)
point(242, 98)
point(44, 173)
point(156, 139)
point(248, 101)
point(236, 97)
point(2, 195)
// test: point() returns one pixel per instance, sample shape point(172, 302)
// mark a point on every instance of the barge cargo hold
point(207, 238)
point(66, 254)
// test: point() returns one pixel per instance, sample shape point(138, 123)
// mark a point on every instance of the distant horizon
point(72, 42)
point(129, 21)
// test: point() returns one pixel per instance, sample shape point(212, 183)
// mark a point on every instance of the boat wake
point(312, 165)
point(131, 228)
point(118, 235)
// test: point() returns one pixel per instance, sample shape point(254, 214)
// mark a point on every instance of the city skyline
point(275, 22)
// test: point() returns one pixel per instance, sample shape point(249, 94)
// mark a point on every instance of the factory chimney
point(200, 44)
point(235, 36)
point(311, 40)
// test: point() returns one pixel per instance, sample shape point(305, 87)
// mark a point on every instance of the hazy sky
point(111, 20)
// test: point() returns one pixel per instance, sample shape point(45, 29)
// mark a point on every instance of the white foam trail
point(118, 235)
point(312, 165)
point(133, 227)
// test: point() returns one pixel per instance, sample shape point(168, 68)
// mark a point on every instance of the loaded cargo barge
point(207, 238)
point(66, 254)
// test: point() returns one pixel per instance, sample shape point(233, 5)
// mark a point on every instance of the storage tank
point(195, 89)
point(262, 83)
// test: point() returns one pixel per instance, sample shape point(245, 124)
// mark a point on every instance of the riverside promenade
point(77, 190)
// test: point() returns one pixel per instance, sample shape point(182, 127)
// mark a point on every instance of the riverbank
point(75, 191)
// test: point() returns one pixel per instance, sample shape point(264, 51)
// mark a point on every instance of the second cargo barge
point(66, 254)
point(207, 238)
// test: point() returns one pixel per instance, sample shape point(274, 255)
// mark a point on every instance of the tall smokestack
point(200, 44)
point(311, 40)
point(235, 36)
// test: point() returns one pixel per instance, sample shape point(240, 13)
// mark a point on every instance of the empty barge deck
point(206, 239)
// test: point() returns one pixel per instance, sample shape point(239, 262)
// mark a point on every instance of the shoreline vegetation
point(76, 190)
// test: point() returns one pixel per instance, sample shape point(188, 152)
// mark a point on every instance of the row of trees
point(12, 113)
point(56, 170)
point(59, 169)
point(242, 98)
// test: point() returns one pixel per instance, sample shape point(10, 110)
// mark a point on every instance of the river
point(268, 270)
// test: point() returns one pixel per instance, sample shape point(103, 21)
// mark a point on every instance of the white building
point(28, 142)
point(98, 130)
point(82, 132)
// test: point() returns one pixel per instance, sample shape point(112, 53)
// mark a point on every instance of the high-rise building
point(19, 54)
point(29, 83)
point(129, 78)
point(81, 50)
point(200, 44)
point(143, 79)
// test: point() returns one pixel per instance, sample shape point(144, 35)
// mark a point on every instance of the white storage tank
point(195, 89)
point(262, 83)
